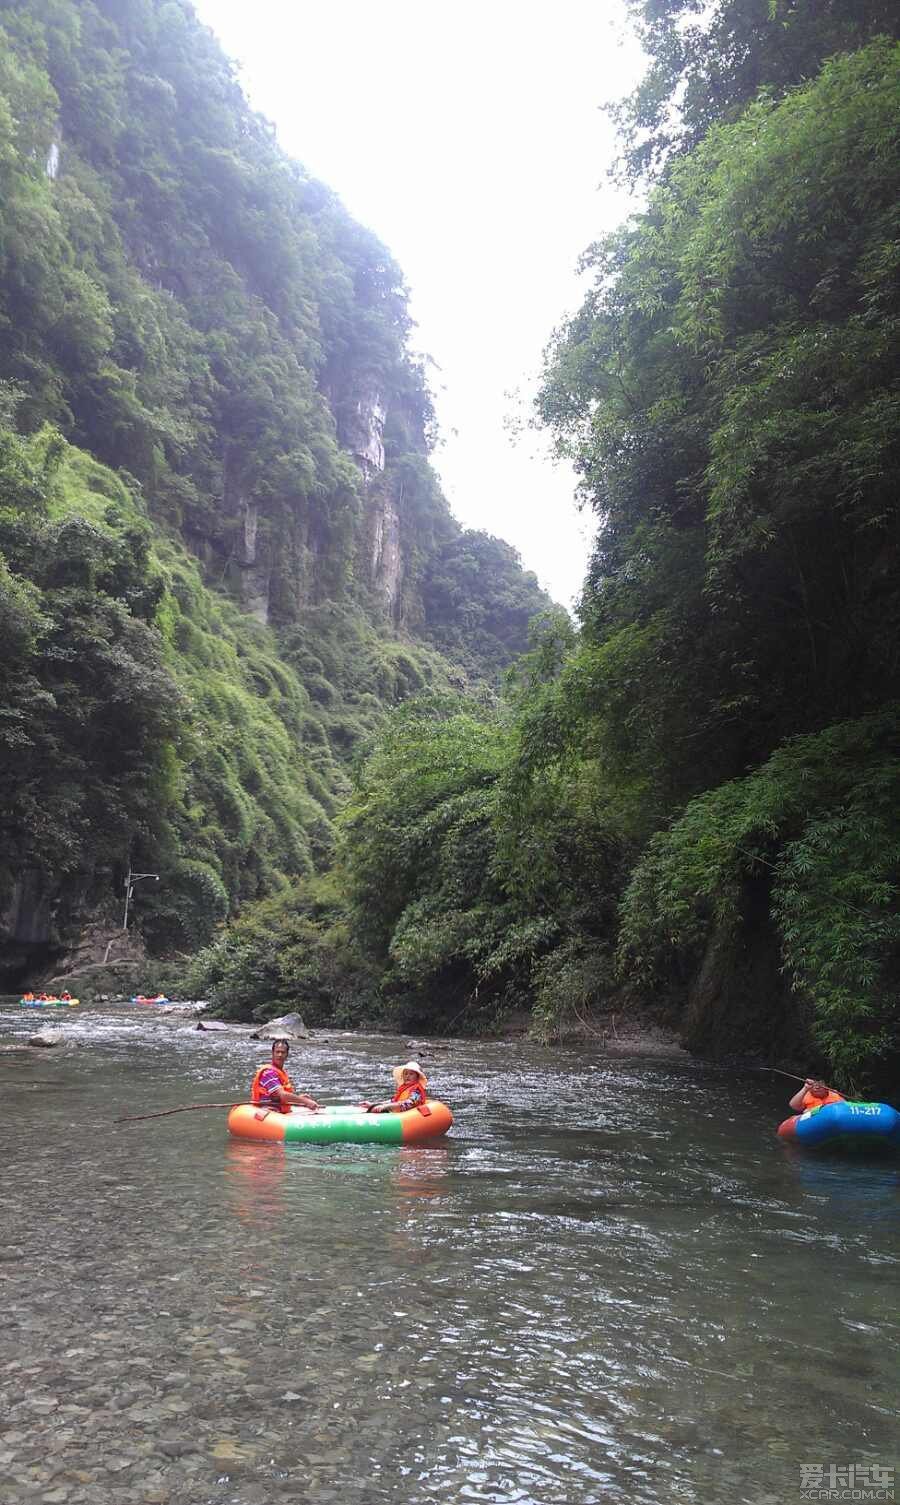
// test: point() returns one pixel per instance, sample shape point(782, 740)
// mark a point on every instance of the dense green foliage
point(148, 718)
point(818, 822)
point(199, 348)
point(705, 773)
point(478, 603)
point(729, 395)
point(188, 305)
point(166, 292)
point(297, 945)
point(708, 61)
point(712, 765)
point(143, 716)
point(421, 889)
point(88, 707)
point(463, 890)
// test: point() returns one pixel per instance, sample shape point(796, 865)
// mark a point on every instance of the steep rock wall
point(739, 1004)
point(385, 558)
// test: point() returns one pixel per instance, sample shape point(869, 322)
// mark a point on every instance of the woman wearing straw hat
point(411, 1082)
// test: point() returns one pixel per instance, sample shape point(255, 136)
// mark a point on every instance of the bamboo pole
point(135, 1118)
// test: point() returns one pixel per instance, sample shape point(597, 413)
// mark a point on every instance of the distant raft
point(48, 1003)
point(345, 1124)
point(157, 998)
point(853, 1126)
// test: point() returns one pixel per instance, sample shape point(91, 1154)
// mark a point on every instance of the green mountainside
point(223, 552)
point(248, 647)
point(692, 802)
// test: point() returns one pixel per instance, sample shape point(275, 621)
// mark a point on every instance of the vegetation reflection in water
point(635, 1295)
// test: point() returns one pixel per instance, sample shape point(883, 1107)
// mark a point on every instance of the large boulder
point(46, 1037)
point(289, 1026)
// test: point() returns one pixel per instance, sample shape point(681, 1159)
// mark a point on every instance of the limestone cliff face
point(385, 555)
point(265, 565)
point(381, 554)
point(361, 429)
point(26, 919)
point(255, 572)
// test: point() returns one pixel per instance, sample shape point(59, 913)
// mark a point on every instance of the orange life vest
point(257, 1095)
point(809, 1100)
point(407, 1090)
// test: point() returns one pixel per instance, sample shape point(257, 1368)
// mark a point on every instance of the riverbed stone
point(290, 1026)
point(222, 1027)
point(118, 1465)
point(174, 1447)
point(46, 1038)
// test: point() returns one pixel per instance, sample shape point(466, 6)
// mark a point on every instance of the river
point(611, 1283)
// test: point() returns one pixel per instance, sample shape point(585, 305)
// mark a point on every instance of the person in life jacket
point(65, 997)
point(410, 1082)
point(814, 1094)
point(273, 1088)
point(28, 998)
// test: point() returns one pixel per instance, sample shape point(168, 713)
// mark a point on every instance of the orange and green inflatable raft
point(345, 1124)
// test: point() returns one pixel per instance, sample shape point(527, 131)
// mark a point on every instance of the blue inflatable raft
point(867, 1126)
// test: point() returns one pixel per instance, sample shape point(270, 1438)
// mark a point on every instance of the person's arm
point(813, 1085)
point(415, 1100)
point(302, 1099)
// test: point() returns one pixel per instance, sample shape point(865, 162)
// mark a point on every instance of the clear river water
point(610, 1283)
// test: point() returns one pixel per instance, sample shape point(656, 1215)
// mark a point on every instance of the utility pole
point(130, 881)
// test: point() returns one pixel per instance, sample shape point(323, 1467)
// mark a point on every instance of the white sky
point(469, 138)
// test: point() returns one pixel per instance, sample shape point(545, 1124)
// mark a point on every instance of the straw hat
point(409, 1066)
